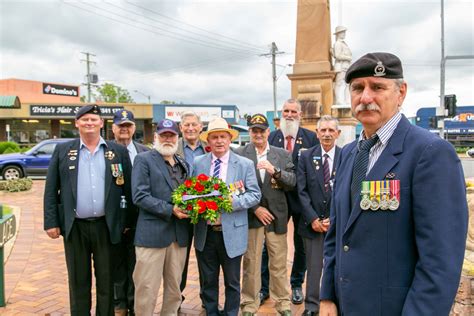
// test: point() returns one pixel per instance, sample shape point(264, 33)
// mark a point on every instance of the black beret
point(92, 108)
point(383, 65)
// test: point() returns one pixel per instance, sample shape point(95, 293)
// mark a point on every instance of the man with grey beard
point(294, 139)
point(161, 236)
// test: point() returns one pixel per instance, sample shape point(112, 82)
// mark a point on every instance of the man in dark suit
point(267, 220)
point(85, 200)
point(294, 139)
point(124, 128)
point(399, 212)
point(162, 236)
point(316, 169)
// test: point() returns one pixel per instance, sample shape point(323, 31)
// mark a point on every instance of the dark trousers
point(212, 258)
point(182, 286)
point(89, 239)
point(124, 260)
point(299, 260)
point(314, 262)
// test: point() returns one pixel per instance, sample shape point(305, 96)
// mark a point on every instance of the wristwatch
point(277, 173)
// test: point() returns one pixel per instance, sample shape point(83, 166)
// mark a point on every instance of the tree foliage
point(111, 93)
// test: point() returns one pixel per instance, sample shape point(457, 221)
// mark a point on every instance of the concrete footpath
point(35, 271)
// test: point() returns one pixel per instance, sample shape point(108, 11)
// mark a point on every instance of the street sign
point(7, 228)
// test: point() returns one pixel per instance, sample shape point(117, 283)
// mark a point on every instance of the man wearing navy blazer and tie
point(294, 139)
point(222, 244)
point(315, 175)
point(399, 212)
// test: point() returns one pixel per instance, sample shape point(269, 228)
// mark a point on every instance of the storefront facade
point(47, 110)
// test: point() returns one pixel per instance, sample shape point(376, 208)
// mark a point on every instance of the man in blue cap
point(124, 128)
point(86, 199)
point(399, 213)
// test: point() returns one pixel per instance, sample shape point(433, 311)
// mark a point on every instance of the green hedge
point(11, 147)
point(17, 185)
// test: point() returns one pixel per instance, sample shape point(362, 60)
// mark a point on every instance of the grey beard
point(166, 151)
point(289, 128)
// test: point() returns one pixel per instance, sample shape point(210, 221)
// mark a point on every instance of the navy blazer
point(157, 227)
point(313, 196)
point(60, 193)
point(407, 261)
point(304, 140)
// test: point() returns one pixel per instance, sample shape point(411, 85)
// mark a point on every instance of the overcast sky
point(208, 52)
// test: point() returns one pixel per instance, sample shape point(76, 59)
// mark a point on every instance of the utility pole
point(273, 52)
point(88, 84)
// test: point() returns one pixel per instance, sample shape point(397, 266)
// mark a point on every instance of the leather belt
point(215, 228)
point(90, 219)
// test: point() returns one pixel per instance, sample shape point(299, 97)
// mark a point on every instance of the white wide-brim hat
point(218, 125)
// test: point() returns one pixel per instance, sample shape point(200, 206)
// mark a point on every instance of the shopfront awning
point(10, 102)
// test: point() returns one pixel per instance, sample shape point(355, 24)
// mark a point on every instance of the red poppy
point(207, 149)
point(202, 206)
point(189, 207)
point(199, 187)
point(202, 177)
point(188, 183)
point(211, 205)
point(216, 186)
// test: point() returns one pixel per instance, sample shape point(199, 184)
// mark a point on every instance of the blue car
point(33, 162)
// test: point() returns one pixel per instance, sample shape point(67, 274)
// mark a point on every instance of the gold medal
point(120, 180)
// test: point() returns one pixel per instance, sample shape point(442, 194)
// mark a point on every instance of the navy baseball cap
point(123, 116)
point(86, 109)
point(383, 65)
point(167, 126)
point(259, 121)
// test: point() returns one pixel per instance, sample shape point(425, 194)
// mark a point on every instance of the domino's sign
point(56, 89)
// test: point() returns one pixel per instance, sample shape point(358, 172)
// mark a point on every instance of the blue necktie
point(359, 170)
point(217, 168)
point(326, 173)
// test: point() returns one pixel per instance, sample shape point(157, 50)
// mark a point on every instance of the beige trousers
point(251, 282)
point(153, 265)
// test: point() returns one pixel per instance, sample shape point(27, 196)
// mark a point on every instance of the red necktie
point(289, 144)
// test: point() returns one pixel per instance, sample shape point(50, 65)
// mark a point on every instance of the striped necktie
point(217, 168)
point(359, 170)
point(327, 173)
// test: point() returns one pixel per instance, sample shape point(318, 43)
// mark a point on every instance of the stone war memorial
point(318, 83)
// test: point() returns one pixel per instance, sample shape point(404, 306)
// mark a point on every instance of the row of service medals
point(117, 173)
point(237, 187)
point(380, 195)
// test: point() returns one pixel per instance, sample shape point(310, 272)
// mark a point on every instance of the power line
point(190, 40)
point(214, 38)
point(193, 26)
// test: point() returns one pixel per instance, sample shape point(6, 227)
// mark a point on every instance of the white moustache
point(367, 107)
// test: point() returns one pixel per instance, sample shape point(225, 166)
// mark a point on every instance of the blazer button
point(346, 248)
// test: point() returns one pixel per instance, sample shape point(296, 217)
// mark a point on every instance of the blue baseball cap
point(167, 126)
point(124, 116)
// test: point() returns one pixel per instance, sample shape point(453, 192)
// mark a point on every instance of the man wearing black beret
point(399, 213)
point(86, 200)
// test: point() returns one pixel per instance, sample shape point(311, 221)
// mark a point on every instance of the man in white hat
point(222, 244)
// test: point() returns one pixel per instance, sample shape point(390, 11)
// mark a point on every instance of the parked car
point(470, 152)
point(33, 162)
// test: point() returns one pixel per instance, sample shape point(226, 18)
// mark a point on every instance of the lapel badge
point(379, 70)
point(390, 175)
point(72, 158)
point(109, 154)
point(299, 141)
point(72, 167)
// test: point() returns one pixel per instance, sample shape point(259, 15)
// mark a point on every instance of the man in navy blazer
point(161, 237)
point(399, 212)
point(222, 244)
point(315, 174)
point(294, 139)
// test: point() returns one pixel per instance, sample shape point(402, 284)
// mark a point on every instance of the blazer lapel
point(319, 171)
point(231, 169)
point(273, 159)
point(386, 162)
point(161, 164)
point(73, 166)
point(298, 144)
point(278, 140)
point(108, 170)
point(251, 154)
